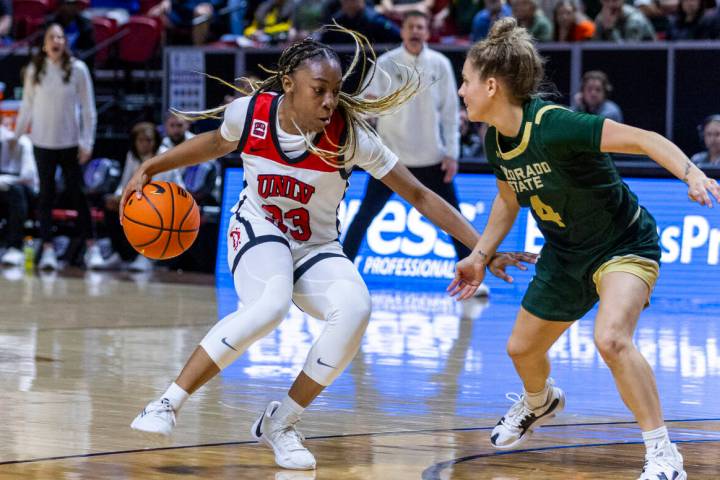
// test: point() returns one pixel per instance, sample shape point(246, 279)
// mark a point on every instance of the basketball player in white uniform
point(282, 241)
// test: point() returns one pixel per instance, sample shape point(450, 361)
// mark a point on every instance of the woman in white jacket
point(56, 87)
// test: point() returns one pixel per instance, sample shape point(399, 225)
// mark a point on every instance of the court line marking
point(350, 435)
point(433, 472)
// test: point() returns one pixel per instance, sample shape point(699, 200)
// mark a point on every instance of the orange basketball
point(163, 223)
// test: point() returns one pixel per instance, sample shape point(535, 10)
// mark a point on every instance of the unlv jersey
point(299, 195)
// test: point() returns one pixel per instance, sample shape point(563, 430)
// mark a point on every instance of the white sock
point(176, 395)
point(538, 399)
point(288, 412)
point(657, 438)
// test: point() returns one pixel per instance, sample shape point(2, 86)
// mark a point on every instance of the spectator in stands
point(471, 142)
point(455, 18)
point(272, 21)
point(56, 87)
point(494, 10)
point(658, 13)
point(79, 32)
point(307, 17)
point(5, 21)
point(685, 24)
point(355, 15)
point(710, 132)
point(179, 14)
point(618, 22)
point(593, 97)
point(144, 144)
point(177, 130)
point(709, 28)
point(237, 16)
point(396, 9)
point(569, 24)
point(531, 17)
point(18, 184)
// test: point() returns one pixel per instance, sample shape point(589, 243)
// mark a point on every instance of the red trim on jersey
point(262, 136)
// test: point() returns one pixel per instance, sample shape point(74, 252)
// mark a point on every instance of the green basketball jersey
point(556, 168)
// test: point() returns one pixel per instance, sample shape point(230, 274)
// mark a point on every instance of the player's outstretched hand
point(501, 260)
point(700, 188)
point(135, 185)
point(469, 274)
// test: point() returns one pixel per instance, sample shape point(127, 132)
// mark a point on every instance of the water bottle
point(29, 251)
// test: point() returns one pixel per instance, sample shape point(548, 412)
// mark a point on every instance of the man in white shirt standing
point(18, 182)
point(423, 133)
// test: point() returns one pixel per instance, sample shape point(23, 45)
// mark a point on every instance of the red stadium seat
point(142, 40)
point(104, 28)
point(30, 8)
point(146, 5)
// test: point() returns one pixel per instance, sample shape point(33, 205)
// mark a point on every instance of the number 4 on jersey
point(545, 211)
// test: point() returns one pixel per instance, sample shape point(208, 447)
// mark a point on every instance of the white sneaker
point(664, 463)
point(141, 264)
point(13, 257)
point(48, 259)
point(482, 291)
point(284, 439)
point(93, 258)
point(157, 418)
point(519, 422)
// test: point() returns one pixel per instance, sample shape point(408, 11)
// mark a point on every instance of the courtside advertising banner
point(403, 250)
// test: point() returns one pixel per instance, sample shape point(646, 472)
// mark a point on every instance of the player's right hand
point(469, 274)
point(135, 185)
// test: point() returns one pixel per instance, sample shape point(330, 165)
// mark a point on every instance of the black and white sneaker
point(520, 421)
point(664, 463)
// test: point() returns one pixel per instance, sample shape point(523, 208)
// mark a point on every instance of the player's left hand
point(501, 260)
point(700, 187)
point(449, 165)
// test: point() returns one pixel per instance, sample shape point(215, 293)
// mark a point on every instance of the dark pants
point(117, 236)
point(377, 195)
point(14, 203)
point(47, 161)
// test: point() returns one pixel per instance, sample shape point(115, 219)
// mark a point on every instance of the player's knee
point(518, 348)
point(353, 310)
point(612, 345)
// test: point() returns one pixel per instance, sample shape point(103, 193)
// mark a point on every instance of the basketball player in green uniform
point(600, 243)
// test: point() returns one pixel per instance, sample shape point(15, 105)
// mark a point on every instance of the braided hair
point(352, 106)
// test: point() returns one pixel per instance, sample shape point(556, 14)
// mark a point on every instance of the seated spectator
point(144, 144)
point(5, 21)
point(471, 142)
point(18, 184)
point(355, 15)
point(272, 21)
point(455, 18)
point(593, 97)
point(177, 130)
point(618, 22)
point(531, 17)
point(494, 10)
point(307, 17)
point(396, 9)
point(658, 12)
point(78, 29)
point(179, 14)
point(710, 131)
point(709, 28)
point(570, 24)
point(686, 23)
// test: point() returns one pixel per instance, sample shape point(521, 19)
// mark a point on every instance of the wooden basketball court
point(81, 354)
